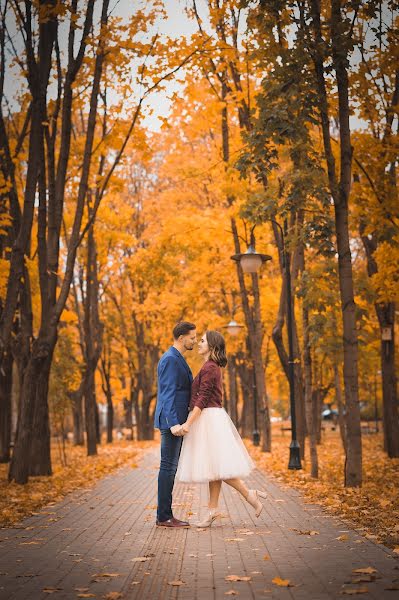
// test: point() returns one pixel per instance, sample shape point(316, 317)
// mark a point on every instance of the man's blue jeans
point(170, 452)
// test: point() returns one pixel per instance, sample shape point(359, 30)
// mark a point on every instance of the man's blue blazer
point(174, 390)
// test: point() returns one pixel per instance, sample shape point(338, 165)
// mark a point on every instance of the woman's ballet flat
point(253, 499)
point(212, 516)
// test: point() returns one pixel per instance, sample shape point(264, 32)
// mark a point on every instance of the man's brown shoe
point(173, 523)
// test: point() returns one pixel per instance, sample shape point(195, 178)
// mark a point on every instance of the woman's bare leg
point(251, 496)
point(238, 485)
point(214, 492)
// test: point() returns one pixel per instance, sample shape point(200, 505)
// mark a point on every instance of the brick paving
point(88, 546)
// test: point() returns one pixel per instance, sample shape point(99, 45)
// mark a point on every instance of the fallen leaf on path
point(396, 550)
point(176, 583)
point(362, 579)
point(306, 532)
point(29, 543)
point(241, 531)
point(237, 578)
point(366, 570)
point(354, 591)
point(231, 593)
point(141, 558)
point(266, 557)
point(113, 596)
point(50, 590)
point(342, 538)
point(106, 575)
point(81, 589)
point(233, 539)
point(282, 582)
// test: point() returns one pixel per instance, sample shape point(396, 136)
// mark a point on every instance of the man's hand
point(176, 430)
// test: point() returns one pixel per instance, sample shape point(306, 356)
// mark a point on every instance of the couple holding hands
point(199, 442)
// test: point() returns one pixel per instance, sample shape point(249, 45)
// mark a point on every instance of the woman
point(212, 449)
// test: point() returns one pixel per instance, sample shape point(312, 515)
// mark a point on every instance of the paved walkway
point(102, 543)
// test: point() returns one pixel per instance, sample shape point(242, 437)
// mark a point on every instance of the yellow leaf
point(237, 578)
point(282, 582)
point(141, 559)
point(366, 570)
point(176, 583)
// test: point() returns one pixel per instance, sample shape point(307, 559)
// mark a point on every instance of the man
point(174, 390)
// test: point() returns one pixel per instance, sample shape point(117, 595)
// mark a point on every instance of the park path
point(87, 545)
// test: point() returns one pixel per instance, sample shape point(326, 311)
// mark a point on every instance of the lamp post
point(250, 262)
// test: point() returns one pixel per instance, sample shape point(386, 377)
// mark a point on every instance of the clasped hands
point(180, 430)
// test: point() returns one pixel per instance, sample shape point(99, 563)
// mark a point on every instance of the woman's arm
point(193, 416)
point(206, 388)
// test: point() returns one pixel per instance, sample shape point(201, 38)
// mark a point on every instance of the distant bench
point(285, 428)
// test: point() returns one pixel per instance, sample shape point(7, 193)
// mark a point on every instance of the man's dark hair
point(182, 328)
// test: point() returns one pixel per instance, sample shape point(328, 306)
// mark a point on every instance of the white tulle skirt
point(213, 449)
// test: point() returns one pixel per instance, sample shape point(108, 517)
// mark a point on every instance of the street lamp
point(233, 328)
point(250, 262)
point(295, 457)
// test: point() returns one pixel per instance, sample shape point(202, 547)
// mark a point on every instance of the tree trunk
point(246, 420)
point(106, 385)
point(232, 376)
point(316, 403)
point(277, 333)
point(77, 412)
point(340, 190)
point(389, 383)
point(90, 414)
point(311, 424)
point(98, 424)
point(128, 415)
point(146, 428)
point(338, 400)
point(110, 418)
point(386, 318)
point(6, 379)
point(40, 463)
point(33, 381)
